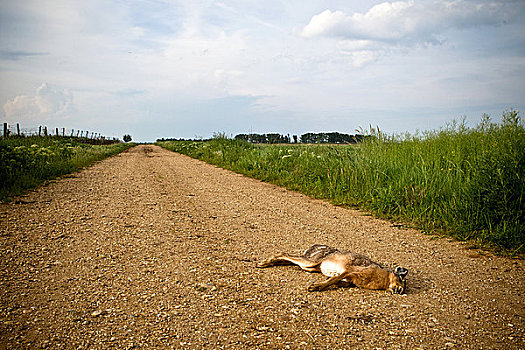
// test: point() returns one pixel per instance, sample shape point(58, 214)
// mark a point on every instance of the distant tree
point(311, 137)
point(273, 138)
point(243, 137)
point(253, 138)
point(126, 138)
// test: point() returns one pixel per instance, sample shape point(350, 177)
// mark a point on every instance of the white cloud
point(47, 104)
point(408, 21)
point(324, 23)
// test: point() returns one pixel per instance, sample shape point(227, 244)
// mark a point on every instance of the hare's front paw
point(264, 263)
point(314, 287)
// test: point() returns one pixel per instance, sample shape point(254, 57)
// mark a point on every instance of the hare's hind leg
point(287, 259)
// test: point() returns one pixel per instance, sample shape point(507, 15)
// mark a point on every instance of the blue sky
point(159, 68)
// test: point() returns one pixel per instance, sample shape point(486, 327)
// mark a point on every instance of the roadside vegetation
point(468, 183)
point(26, 162)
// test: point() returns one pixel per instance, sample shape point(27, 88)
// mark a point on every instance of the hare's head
point(398, 280)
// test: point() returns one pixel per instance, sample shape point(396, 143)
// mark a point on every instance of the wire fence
point(11, 130)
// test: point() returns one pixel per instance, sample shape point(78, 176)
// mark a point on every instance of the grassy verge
point(27, 162)
point(468, 183)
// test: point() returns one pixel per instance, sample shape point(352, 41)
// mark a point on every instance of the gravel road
point(152, 249)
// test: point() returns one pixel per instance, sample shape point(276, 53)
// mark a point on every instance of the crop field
point(26, 162)
point(463, 182)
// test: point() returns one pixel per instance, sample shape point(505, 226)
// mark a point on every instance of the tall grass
point(464, 182)
point(26, 162)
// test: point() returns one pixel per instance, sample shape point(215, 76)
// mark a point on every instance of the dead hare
point(343, 268)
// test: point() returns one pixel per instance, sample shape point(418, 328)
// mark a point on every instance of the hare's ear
point(401, 272)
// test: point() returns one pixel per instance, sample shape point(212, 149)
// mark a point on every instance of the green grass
point(467, 183)
point(26, 162)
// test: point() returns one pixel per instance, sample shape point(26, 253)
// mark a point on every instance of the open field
point(152, 249)
point(467, 183)
point(26, 162)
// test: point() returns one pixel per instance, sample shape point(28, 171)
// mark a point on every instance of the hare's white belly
point(331, 268)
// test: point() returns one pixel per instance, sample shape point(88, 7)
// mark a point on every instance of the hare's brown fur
point(343, 268)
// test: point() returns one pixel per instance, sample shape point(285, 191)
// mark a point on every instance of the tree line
point(321, 137)
point(275, 138)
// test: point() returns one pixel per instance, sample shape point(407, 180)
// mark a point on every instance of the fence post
point(5, 129)
point(18, 128)
point(57, 131)
point(63, 132)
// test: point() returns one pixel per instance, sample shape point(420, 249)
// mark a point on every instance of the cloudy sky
point(170, 68)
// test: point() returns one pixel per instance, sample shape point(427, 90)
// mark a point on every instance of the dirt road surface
point(151, 249)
